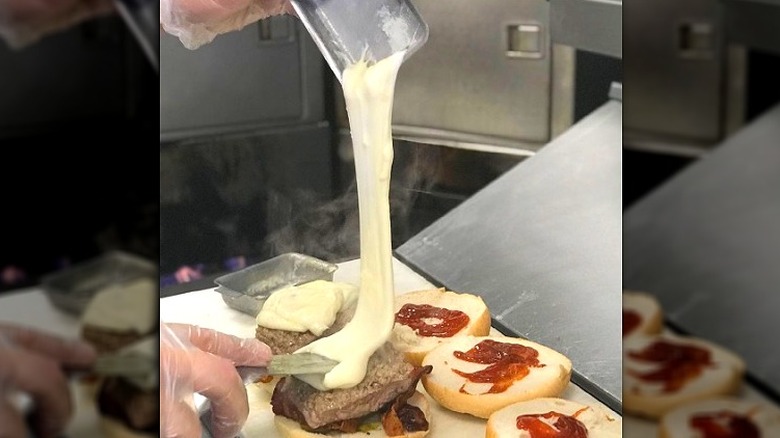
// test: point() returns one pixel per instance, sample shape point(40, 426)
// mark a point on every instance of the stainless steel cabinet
point(269, 74)
point(674, 71)
point(485, 76)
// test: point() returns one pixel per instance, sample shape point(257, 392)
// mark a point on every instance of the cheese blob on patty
point(130, 306)
point(309, 307)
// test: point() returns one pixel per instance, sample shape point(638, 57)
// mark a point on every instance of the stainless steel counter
point(542, 246)
point(707, 244)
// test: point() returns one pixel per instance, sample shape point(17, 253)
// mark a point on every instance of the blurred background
point(78, 121)
point(701, 135)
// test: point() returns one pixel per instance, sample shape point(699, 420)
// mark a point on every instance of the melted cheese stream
point(368, 92)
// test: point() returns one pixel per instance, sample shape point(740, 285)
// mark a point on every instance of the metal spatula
point(347, 31)
point(300, 363)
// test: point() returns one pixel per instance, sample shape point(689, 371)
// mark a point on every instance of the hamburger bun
point(722, 375)
point(288, 428)
point(597, 422)
point(415, 345)
point(455, 392)
point(642, 314)
point(756, 416)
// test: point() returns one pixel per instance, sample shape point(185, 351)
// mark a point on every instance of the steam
point(330, 230)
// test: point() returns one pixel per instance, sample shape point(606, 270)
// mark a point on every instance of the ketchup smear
point(631, 321)
point(508, 362)
point(678, 363)
point(565, 426)
point(414, 316)
point(724, 425)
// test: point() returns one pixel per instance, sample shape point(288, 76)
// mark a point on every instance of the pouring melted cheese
point(368, 92)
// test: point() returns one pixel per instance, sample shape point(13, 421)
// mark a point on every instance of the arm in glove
point(32, 362)
point(23, 22)
point(198, 22)
point(194, 359)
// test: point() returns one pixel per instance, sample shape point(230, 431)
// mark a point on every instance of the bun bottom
point(653, 408)
point(288, 428)
point(115, 429)
point(598, 422)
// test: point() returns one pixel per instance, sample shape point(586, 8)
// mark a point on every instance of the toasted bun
point(676, 423)
point(415, 346)
point(112, 428)
point(647, 308)
point(288, 428)
point(648, 399)
point(599, 423)
point(444, 385)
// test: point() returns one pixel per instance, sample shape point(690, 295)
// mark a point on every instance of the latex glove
point(32, 362)
point(23, 22)
point(198, 22)
point(194, 359)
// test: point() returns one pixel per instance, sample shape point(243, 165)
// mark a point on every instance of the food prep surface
point(207, 309)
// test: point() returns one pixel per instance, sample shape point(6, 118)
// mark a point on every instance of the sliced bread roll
point(288, 428)
point(512, 370)
point(427, 318)
point(642, 314)
point(665, 371)
point(549, 414)
point(723, 417)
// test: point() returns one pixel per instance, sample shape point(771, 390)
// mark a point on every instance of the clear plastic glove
point(194, 359)
point(23, 22)
point(31, 363)
point(198, 22)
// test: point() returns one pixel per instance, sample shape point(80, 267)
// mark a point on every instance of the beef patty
point(285, 342)
point(388, 377)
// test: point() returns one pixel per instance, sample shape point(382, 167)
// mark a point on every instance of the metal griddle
point(542, 246)
point(707, 244)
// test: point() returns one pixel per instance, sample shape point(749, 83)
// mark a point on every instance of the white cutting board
point(206, 309)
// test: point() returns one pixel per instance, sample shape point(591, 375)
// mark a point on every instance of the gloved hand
point(32, 362)
point(198, 22)
point(194, 359)
point(23, 22)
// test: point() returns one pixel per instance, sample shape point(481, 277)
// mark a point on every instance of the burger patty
point(137, 409)
point(285, 342)
point(388, 377)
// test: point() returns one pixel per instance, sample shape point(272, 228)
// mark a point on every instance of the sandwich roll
point(479, 375)
point(665, 371)
point(549, 416)
point(427, 318)
point(288, 428)
point(722, 417)
point(642, 314)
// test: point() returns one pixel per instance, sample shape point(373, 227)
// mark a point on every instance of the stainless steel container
point(247, 289)
point(71, 289)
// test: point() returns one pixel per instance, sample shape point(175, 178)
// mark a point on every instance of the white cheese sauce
point(309, 307)
point(124, 307)
point(368, 92)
